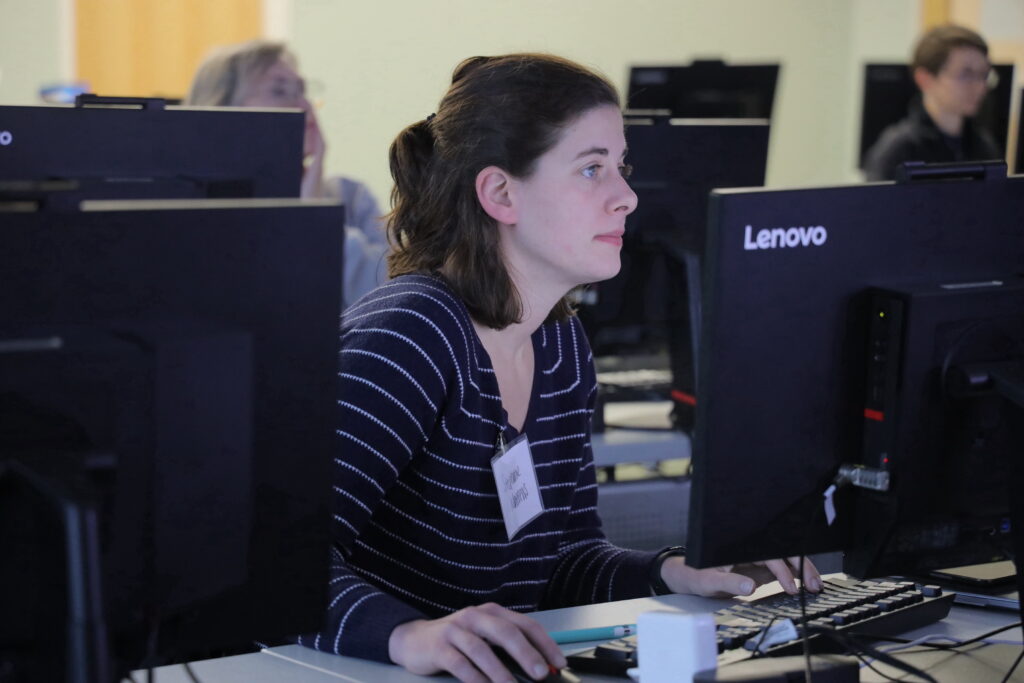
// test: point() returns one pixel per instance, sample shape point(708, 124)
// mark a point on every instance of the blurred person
point(951, 69)
point(262, 73)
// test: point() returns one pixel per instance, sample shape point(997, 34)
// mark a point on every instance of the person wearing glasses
point(261, 73)
point(952, 71)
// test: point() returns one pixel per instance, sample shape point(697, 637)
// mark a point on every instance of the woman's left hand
point(741, 579)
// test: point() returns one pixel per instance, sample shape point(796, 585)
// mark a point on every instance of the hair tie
point(430, 117)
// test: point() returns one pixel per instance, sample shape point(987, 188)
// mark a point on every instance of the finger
point(811, 577)
point(538, 638)
point(501, 627)
point(780, 569)
point(712, 582)
point(476, 661)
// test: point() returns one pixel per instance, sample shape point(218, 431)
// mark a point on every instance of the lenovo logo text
point(781, 238)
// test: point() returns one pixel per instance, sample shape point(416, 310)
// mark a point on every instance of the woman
point(465, 491)
point(261, 73)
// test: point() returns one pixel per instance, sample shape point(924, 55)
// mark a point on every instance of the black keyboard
point(880, 608)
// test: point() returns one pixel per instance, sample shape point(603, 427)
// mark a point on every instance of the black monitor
point(875, 327)
point(889, 92)
point(143, 149)
point(705, 89)
point(1018, 166)
point(646, 311)
point(167, 423)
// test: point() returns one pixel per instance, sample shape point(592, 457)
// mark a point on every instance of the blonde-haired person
point(262, 73)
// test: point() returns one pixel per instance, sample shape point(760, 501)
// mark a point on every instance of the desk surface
point(646, 437)
point(297, 663)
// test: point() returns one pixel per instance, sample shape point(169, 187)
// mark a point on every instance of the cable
point(970, 641)
point(1012, 668)
point(191, 674)
point(924, 641)
point(853, 645)
point(764, 634)
point(868, 663)
point(802, 590)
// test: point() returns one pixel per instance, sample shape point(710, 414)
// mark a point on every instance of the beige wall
point(386, 63)
point(33, 49)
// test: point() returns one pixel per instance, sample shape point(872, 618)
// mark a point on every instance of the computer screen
point(889, 91)
point(149, 151)
point(167, 389)
point(839, 326)
point(705, 89)
point(1018, 166)
point(647, 311)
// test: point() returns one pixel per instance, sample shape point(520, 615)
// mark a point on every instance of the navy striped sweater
point(417, 527)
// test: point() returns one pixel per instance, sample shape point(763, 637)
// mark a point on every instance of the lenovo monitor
point(861, 346)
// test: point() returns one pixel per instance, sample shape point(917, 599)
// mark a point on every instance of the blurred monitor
point(141, 148)
point(167, 383)
point(708, 89)
point(645, 317)
point(889, 91)
point(1019, 161)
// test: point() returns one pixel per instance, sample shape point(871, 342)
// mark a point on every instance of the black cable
point(764, 633)
point(870, 665)
point(938, 646)
point(1013, 668)
point(802, 590)
point(852, 644)
point(191, 674)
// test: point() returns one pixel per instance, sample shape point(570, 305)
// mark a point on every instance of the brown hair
point(502, 111)
point(933, 49)
point(220, 79)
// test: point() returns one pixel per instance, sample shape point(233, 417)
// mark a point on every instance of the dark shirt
point(418, 529)
point(917, 138)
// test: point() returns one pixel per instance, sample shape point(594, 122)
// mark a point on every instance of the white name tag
point(516, 479)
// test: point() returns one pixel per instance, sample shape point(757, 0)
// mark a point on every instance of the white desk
point(297, 663)
point(652, 441)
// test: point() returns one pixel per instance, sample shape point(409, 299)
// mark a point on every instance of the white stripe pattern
point(418, 526)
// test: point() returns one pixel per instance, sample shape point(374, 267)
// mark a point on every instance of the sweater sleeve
point(395, 368)
point(589, 568)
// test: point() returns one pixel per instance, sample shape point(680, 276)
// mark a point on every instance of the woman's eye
point(626, 170)
point(591, 171)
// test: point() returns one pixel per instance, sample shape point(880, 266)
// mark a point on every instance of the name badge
point(516, 479)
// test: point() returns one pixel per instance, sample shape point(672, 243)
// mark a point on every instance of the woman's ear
point(492, 191)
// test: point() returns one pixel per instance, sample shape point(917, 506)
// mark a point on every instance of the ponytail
point(499, 111)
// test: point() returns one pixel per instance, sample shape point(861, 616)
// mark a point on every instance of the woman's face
point(571, 211)
point(280, 85)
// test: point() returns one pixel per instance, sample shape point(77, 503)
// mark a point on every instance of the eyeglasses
point(965, 76)
point(291, 92)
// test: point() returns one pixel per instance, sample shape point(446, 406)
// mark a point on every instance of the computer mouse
point(554, 676)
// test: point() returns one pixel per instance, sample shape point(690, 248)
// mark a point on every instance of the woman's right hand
point(460, 644)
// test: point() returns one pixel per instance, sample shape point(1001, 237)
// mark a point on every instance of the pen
point(578, 635)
